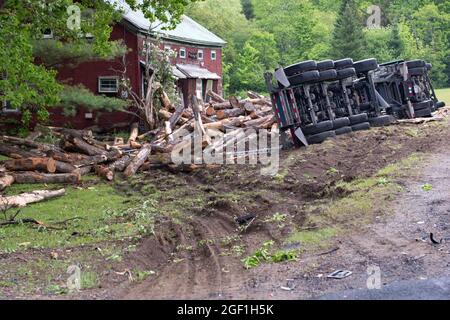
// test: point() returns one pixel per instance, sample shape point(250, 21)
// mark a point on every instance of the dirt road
point(397, 242)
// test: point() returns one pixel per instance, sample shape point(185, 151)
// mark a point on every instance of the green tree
point(249, 71)
point(348, 36)
point(32, 87)
point(247, 9)
point(395, 42)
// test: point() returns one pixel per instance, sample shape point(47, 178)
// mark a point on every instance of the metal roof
point(195, 72)
point(188, 30)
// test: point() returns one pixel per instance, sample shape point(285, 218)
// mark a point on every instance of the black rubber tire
point(305, 77)
point(417, 71)
point(328, 75)
point(300, 67)
point(320, 137)
point(343, 63)
point(440, 104)
point(312, 129)
point(381, 121)
point(341, 122)
point(325, 65)
point(358, 118)
point(366, 65)
point(361, 126)
point(428, 66)
point(423, 113)
point(346, 73)
point(343, 130)
point(422, 105)
point(415, 64)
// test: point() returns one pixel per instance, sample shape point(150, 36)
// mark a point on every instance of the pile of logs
point(80, 153)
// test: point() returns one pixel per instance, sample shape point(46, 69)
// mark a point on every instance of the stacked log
point(79, 152)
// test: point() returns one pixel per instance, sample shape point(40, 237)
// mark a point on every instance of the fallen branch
point(24, 199)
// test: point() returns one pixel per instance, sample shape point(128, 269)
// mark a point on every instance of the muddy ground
point(352, 202)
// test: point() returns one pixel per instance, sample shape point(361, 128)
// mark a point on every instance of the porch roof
point(196, 72)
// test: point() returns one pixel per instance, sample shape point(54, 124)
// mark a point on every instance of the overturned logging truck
point(318, 100)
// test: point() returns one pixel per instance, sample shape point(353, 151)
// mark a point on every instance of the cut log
point(210, 111)
point(32, 164)
point(216, 97)
point(177, 116)
point(34, 135)
point(229, 113)
point(121, 164)
point(234, 102)
point(104, 172)
point(28, 143)
point(66, 156)
point(134, 132)
point(259, 122)
point(83, 170)
point(254, 95)
point(64, 167)
point(6, 181)
point(82, 134)
point(24, 199)
point(34, 177)
point(249, 107)
point(165, 101)
point(16, 152)
point(85, 147)
point(138, 161)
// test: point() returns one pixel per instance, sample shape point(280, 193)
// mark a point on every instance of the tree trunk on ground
point(32, 164)
point(28, 143)
point(138, 161)
point(83, 170)
point(63, 167)
point(82, 134)
point(16, 152)
point(6, 181)
point(66, 157)
point(121, 164)
point(34, 177)
point(229, 113)
point(26, 198)
point(85, 147)
point(104, 172)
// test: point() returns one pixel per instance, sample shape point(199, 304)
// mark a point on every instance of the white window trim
point(4, 108)
point(213, 55)
point(108, 78)
point(200, 53)
point(183, 50)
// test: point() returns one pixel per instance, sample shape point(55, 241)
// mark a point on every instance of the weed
point(332, 171)
point(283, 255)
point(89, 280)
point(427, 187)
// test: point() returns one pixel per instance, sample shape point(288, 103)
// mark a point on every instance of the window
point(213, 55)
point(5, 106)
point(108, 85)
point(183, 53)
point(200, 54)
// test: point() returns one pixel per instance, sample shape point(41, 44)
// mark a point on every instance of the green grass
point(3, 158)
point(443, 95)
point(93, 205)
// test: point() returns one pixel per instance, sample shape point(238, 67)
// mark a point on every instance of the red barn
point(197, 67)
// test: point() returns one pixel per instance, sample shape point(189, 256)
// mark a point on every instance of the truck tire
point(423, 113)
point(422, 105)
point(358, 118)
point(305, 77)
point(300, 67)
point(361, 126)
point(365, 65)
point(343, 130)
point(346, 73)
point(325, 65)
point(381, 121)
point(328, 75)
point(440, 104)
point(343, 63)
point(417, 71)
point(428, 66)
point(312, 129)
point(320, 137)
point(415, 64)
point(341, 122)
